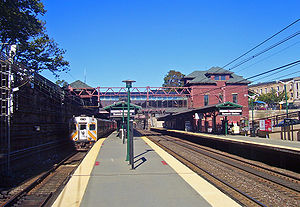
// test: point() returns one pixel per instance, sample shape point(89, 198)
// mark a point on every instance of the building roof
point(204, 109)
point(218, 70)
point(203, 77)
point(121, 105)
point(79, 84)
point(238, 79)
point(271, 82)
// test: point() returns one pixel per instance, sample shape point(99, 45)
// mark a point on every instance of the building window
point(82, 127)
point(205, 100)
point(234, 98)
point(266, 90)
point(260, 91)
point(292, 95)
point(272, 88)
point(278, 88)
point(220, 77)
point(220, 98)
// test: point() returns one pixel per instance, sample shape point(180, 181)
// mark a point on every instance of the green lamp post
point(128, 86)
point(123, 136)
point(285, 93)
point(252, 132)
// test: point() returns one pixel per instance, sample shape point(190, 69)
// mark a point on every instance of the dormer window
point(220, 77)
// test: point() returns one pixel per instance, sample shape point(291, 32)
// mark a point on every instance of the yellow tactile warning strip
point(236, 140)
point(73, 192)
point(210, 193)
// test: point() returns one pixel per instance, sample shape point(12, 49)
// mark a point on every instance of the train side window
point(82, 127)
point(92, 127)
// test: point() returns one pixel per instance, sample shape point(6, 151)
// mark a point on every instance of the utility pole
point(285, 94)
point(123, 135)
point(252, 132)
point(128, 86)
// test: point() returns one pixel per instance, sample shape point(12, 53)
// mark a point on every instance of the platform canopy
point(119, 109)
point(224, 109)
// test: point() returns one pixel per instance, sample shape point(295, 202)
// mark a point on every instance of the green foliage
point(62, 83)
point(19, 24)
point(19, 20)
point(43, 53)
point(173, 79)
point(272, 97)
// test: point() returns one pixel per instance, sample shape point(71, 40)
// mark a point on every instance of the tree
point(173, 79)
point(19, 24)
point(272, 97)
point(61, 83)
point(43, 53)
point(19, 20)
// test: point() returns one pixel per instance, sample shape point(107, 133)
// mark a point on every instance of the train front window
point(92, 127)
point(82, 127)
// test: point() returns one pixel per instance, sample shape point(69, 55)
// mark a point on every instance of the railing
point(139, 93)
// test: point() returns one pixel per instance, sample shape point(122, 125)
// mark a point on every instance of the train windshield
point(82, 126)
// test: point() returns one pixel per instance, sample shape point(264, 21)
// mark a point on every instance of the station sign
point(119, 113)
point(230, 112)
point(265, 125)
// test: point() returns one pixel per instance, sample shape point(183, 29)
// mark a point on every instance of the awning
point(259, 102)
point(229, 106)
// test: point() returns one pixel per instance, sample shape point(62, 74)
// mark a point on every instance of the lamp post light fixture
point(285, 93)
point(128, 86)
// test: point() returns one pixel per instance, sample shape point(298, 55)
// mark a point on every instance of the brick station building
point(215, 86)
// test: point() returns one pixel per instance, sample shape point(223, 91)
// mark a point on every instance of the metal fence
point(34, 113)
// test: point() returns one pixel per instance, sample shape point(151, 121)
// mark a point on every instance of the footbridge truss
point(150, 98)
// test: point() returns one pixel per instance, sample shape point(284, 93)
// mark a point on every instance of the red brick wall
point(198, 92)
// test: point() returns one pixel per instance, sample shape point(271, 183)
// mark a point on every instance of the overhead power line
point(269, 71)
point(268, 57)
point(265, 50)
point(284, 67)
point(279, 71)
point(261, 43)
point(289, 74)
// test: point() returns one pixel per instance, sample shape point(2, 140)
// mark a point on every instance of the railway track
point(249, 183)
point(39, 190)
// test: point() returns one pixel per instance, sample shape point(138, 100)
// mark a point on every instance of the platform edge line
point(199, 184)
point(236, 140)
point(74, 190)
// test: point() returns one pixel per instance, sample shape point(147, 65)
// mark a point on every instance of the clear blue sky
point(144, 39)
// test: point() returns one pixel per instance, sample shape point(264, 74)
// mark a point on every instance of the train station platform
point(277, 153)
point(104, 178)
point(279, 144)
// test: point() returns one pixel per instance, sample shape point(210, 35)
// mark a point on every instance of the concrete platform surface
point(157, 180)
point(281, 144)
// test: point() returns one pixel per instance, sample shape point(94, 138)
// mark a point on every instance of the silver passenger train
point(85, 130)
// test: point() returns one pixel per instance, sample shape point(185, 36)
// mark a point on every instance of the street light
point(286, 103)
point(252, 132)
point(128, 86)
point(123, 135)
